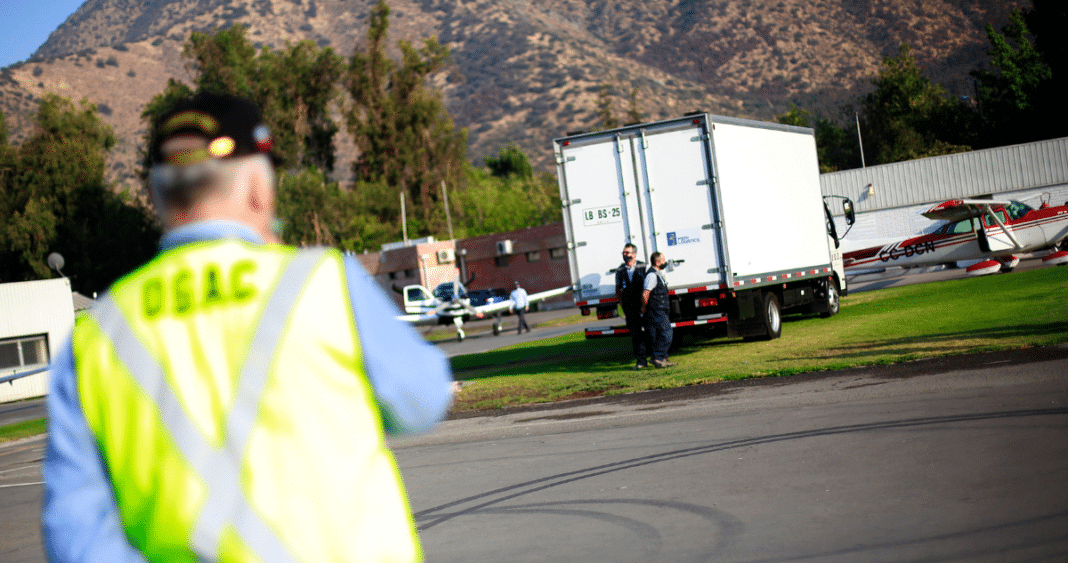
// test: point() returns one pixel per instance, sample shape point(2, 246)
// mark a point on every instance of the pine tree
point(404, 134)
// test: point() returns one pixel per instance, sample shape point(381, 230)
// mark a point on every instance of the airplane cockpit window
point(447, 291)
point(988, 218)
point(443, 291)
point(414, 294)
point(965, 226)
point(1017, 209)
point(957, 228)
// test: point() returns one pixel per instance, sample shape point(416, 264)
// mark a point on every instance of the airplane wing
point(432, 314)
point(958, 209)
point(419, 318)
point(14, 376)
point(532, 298)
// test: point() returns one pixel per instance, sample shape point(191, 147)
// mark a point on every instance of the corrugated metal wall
point(990, 171)
point(32, 308)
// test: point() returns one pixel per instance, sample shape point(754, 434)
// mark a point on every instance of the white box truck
point(733, 204)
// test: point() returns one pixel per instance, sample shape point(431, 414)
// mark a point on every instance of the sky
point(26, 24)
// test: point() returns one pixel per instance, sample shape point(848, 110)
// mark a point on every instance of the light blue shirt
point(650, 280)
point(80, 519)
point(519, 298)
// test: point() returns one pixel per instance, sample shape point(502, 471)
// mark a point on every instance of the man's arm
point(412, 380)
point(79, 518)
point(649, 284)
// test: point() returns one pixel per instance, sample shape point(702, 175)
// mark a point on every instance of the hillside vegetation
point(525, 72)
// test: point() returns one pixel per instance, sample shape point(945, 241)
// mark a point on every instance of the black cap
point(230, 125)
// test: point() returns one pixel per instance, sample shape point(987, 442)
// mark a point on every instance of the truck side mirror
point(847, 208)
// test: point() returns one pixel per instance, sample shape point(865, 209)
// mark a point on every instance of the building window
point(393, 275)
point(409, 273)
point(557, 253)
point(501, 261)
point(24, 352)
point(534, 256)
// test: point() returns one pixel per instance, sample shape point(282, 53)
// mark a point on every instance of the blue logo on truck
point(676, 239)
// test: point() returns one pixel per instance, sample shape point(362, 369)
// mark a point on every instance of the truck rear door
point(598, 191)
point(677, 182)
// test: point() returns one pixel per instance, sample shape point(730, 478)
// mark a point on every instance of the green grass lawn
point(23, 429)
point(998, 312)
point(893, 325)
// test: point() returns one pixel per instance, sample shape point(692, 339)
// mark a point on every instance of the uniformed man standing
point(630, 281)
point(227, 401)
point(655, 310)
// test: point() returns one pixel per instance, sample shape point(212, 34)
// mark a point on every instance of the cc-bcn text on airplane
point(887, 255)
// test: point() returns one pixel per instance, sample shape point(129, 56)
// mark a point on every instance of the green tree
point(59, 202)
point(7, 170)
point(318, 211)
point(907, 117)
point(837, 145)
point(405, 137)
point(492, 204)
point(634, 113)
point(313, 208)
point(795, 116)
point(510, 161)
point(295, 87)
point(1012, 94)
point(604, 107)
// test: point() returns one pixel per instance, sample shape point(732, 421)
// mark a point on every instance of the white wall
point(32, 308)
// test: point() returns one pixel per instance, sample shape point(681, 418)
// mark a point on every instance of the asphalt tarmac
point(961, 459)
point(952, 459)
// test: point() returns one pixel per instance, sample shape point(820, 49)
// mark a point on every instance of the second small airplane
point(990, 231)
point(450, 303)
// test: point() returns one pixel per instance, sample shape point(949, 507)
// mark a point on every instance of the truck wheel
point(832, 302)
point(771, 317)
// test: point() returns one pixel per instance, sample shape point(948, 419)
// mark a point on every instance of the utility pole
point(448, 215)
point(404, 219)
point(860, 141)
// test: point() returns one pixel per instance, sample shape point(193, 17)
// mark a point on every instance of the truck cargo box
point(734, 204)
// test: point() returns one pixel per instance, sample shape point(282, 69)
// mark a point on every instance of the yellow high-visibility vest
point(224, 384)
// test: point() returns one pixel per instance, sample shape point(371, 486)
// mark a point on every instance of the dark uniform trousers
point(657, 322)
point(631, 300)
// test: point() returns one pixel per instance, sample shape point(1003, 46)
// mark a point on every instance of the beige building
point(535, 256)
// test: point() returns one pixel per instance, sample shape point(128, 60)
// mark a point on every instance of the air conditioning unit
point(504, 247)
point(446, 255)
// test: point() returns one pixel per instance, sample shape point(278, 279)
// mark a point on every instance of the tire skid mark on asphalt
point(442, 513)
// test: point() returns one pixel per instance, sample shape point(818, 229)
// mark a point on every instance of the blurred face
point(629, 255)
point(661, 261)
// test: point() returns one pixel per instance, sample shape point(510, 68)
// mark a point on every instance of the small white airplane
point(989, 231)
point(450, 303)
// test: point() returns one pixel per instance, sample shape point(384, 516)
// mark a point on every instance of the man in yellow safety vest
point(228, 400)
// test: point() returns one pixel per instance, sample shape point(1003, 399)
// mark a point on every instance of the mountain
point(525, 72)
